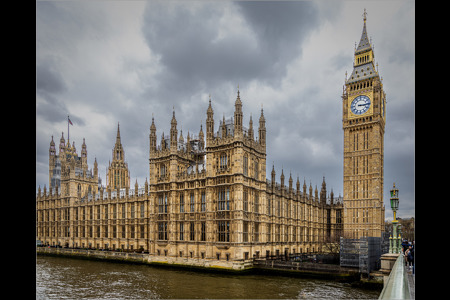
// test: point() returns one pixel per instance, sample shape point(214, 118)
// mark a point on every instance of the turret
point(209, 122)
point(51, 160)
point(250, 128)
point(310, 191)
point(323, 192)
point(290, 183)
point(238, 116)
point(262, 129)
point(273, 175)
point(136, 188)
point(62, 143)
point(95, 168)
point(201, 138)
point(163, 142)
point(188, 143)
point(181, 139)
point(84, 155)
point(118, 153)
point(304, 187)
point(224, 127)
point(152, 137)
point(316, 194)
point(173, 133)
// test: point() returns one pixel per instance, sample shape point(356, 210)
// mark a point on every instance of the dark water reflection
point(65, 278)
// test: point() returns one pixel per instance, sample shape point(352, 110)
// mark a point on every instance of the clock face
point(360, 105)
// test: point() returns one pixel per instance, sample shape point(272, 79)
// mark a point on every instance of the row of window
point(94, 231)
point(223, 232)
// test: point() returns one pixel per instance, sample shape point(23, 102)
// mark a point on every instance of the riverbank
point(292, 269)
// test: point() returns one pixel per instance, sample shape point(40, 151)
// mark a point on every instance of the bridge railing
point(397, 286)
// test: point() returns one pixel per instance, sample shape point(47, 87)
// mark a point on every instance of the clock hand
point(364, 104)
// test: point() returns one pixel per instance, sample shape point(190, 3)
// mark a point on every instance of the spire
point(52, 150)
point(290, 182)
point(117, 152)
point(118, 134)
point(201, 137)
point(83, 149)
point(273, 174)
point(209, 121)
point(262, 128)
point(152, 136)
point(181, 139)
point(250, 128)
point(364, 63)
point(153, 127)
point(364, 43)
point(238, 115)
point(173, 132)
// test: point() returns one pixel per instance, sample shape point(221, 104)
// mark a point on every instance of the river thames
point(67, 278)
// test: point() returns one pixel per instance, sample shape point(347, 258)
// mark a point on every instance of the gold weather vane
point(365, 15)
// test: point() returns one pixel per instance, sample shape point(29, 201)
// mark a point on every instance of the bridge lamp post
point(394, 242)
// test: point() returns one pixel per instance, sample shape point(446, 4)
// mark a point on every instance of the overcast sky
point(104, 62)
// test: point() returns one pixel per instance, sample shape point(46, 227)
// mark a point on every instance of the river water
point(67, 278)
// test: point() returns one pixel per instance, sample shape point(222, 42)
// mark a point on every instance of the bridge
point(400, 284)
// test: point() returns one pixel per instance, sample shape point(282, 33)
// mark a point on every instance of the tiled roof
point(362, 72)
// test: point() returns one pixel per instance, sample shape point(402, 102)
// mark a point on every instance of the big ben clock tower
point(363, 121)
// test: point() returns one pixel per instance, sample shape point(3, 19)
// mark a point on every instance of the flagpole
point(68, 128)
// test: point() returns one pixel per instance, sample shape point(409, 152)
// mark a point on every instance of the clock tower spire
point(363, 122)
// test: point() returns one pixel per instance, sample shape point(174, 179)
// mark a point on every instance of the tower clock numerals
point(360, 105)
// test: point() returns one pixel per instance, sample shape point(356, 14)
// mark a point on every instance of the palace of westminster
point(208, 198)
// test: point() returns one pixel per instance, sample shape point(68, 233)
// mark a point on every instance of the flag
point(70, 122)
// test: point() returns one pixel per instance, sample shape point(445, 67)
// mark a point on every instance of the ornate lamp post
point(394, 241)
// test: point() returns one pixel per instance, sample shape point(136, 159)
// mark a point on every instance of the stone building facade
point(207, 199)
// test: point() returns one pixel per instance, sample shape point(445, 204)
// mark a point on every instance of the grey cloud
point(186, 40)
point(48, 80)
point(280, 26)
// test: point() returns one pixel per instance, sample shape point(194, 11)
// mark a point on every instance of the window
point(142, 210)
point(245, 165)
point(132, 210)
point(203, 208)
point(142, 231)
point(245, 199)
point(256, 210)
point(162, 231)
point(192, 203)
point(123, 211)
point(245, 232)
point(181, 203)
point(181, 232)
point(224, 199)
point(223, 160)
point(192, 231)
point(256, 173)
point(203, 232)
point(162, 204)
point(224, 231)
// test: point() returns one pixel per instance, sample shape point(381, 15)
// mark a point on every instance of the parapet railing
point(397, 286)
